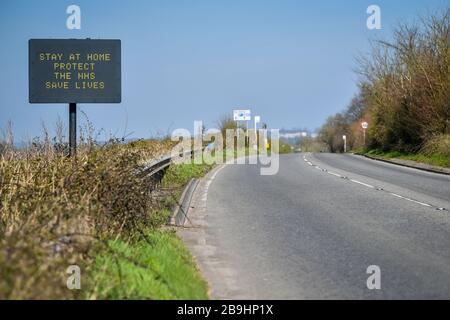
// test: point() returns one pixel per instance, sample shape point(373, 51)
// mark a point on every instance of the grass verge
point(157, 267)
point(156, 264)
point(436, 159)
point(88, 211)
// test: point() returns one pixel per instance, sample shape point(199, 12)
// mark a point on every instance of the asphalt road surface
point(312, 230)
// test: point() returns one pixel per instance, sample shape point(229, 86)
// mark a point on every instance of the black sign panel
point(74, 71)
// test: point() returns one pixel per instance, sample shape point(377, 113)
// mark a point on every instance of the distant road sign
point(364, 125)
point(242, 115)
point(74, 71)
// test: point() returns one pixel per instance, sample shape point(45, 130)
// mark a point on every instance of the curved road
point(311, 230)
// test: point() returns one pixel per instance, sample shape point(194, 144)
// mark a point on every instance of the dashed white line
point(372, 187)
point(409, 199)
point(335, 174)
point(362, 183)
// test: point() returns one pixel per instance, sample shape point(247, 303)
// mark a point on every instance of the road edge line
point(402, 164)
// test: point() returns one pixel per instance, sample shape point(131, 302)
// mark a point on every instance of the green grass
point(100, 215)
point(433, 159)
point(159, 267)
point(181, 174)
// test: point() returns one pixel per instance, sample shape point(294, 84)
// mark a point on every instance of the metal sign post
point(237, 129)
point(345, 143)
point(257, 119)
point(364, 125)
point(73, 129)
point(247, 138)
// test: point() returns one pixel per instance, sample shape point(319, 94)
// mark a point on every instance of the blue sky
point(289, 61)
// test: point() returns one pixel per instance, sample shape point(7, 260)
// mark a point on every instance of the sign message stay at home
point(74, 71)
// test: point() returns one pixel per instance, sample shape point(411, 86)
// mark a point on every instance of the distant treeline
point(404, 93)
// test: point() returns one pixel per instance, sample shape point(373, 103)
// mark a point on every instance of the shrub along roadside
point(156, 264)
point(56, 212)
point(403, 93)
point(435, 152)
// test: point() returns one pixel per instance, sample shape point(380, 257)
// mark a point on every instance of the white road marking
point(335, 174)
point(210, 180)
point(373, 187)
point(409, 199)
point(362, 183)
point(218, 170)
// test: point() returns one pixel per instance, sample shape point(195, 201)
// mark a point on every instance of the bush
point(404, 93)
point(439, 144)
point(55, 209)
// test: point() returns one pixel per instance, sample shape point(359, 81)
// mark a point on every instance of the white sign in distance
point(242, 115)
point(344, 137)
point(257, 119)
point(364, 125)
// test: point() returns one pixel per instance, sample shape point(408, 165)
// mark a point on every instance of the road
point(311, 230)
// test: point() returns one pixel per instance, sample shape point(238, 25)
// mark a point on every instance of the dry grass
point(439, 144)
point(54, 210)
point(404, 93)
